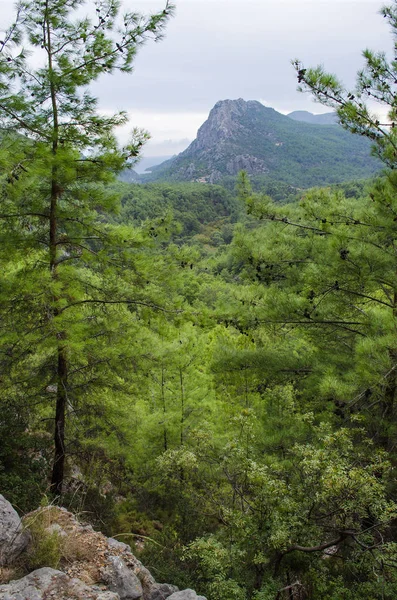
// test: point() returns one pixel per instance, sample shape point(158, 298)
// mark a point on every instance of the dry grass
point(44, 549)
point(76, 547)
point(60, 541)
point(7, 573)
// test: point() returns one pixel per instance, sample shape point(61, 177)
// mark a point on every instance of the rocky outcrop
point(50, 584)
point(223, 123)
point(92, 557)
point(13, 537)
point(92, 566)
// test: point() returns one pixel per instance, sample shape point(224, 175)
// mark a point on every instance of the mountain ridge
point(329, 118)
point(246, 135)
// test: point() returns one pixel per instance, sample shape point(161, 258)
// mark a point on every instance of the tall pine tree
point(63, 303)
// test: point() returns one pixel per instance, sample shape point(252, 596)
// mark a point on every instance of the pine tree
point(377, 81)
point(66, 264)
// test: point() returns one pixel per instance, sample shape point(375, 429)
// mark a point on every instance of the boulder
point(119, 578)
point(49, 584)
point(161, 591)
point(13, 538)
point(186, 595)
point(118, 545)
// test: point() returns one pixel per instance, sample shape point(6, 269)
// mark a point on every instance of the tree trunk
point(62, 365)
point(390, 391)
point(182, 419)
point(391, 385)
point(60, 417)
point(165, 437)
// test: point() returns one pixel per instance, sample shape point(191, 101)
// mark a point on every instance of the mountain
point(330, 118)
point(247, 135)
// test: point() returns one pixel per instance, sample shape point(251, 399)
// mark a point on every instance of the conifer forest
point(207, 371)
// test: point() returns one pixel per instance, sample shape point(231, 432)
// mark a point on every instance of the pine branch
point(134, 302)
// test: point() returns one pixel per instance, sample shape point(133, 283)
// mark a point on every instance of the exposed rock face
point(223, 123)
point(245, 162)
point(92, 557)
point(94, 567)
point(49, 584)
point(13, 538)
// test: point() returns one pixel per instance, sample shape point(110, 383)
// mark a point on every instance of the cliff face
point(247, 135)
point(223, 124)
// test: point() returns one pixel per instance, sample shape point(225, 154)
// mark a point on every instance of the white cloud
point(170, 132)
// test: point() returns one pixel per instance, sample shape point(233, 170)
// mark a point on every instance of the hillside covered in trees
point(207, 373)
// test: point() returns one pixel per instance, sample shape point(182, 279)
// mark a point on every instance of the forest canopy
point(209, 372)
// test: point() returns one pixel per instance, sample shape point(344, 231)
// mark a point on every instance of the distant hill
point(304, 116)
point(144, 165)
point(247, 135)
point(147, 162)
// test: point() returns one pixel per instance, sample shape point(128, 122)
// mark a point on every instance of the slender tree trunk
point(259, 573)
point(390, 392)
point(60, 417)
point(165, 437)
point(62, 364)
point(391, 385)
point(182, 421)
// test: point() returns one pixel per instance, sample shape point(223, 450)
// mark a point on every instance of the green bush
point(45, 549)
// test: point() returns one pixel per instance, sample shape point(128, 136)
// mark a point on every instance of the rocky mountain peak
point(237, 107)
point(223, 123)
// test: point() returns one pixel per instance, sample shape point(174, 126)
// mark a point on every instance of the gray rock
point(186, 595)
point(160, 591)
point(119, 578)
point(135, 566)
point(107, 595)
point(49, 584)
point(118, 545)
point(13, 538)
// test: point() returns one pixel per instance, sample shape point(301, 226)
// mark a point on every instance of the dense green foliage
point(279, 191)
point(227, 372)
point(192, 205)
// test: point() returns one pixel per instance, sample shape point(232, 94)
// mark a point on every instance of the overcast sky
point(218, 49)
